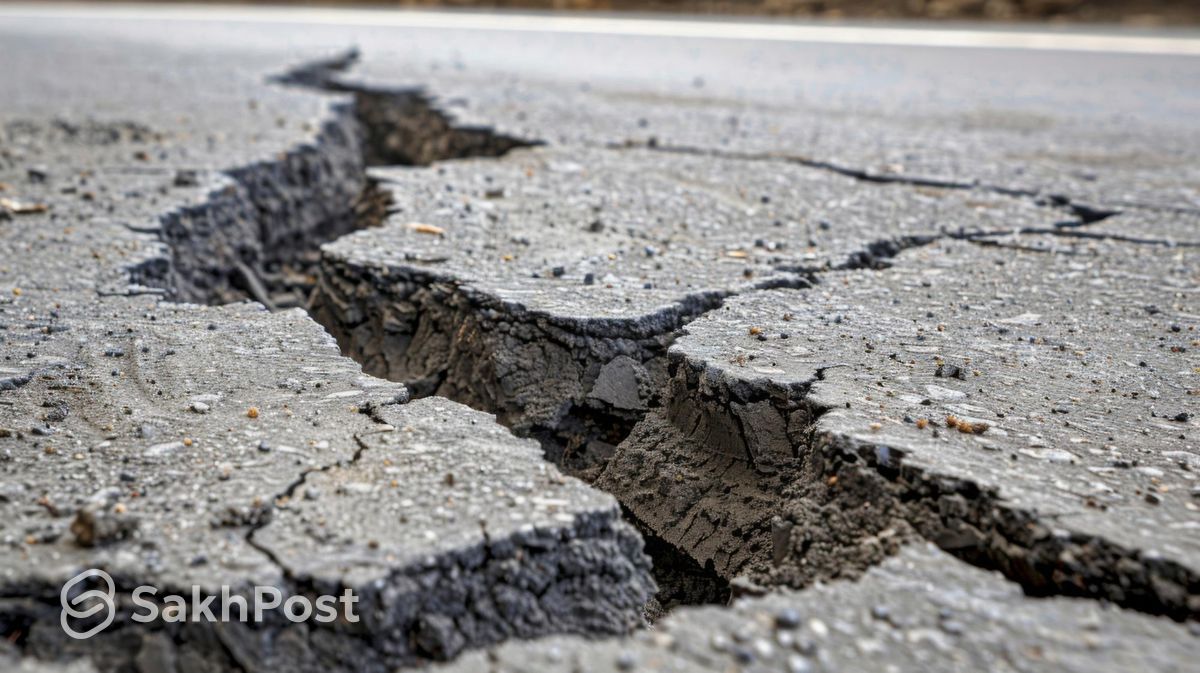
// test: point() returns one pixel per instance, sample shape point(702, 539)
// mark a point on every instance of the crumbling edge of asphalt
point(305, 196)
point(244, 204)
point(877, 254)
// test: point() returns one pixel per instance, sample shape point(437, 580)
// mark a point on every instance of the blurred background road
point(1130, 12)
point(1047, 167)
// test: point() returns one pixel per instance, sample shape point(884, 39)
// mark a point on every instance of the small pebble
point(798, 664)
point(787, 618)
point(743, 654)
point(953, 627)
point(805, 646)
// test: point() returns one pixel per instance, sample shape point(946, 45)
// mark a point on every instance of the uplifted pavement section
point(796, 343)
point(546, 285)
point(177, 445)
point(1027, 411)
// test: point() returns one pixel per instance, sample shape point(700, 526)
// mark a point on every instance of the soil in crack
point(266, 243)
point(681, 580)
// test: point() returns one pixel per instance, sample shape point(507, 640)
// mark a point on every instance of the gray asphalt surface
point(895, 343)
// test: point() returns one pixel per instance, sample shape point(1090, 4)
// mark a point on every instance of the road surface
point(617, 343)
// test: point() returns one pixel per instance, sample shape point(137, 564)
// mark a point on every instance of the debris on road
point(909, 393)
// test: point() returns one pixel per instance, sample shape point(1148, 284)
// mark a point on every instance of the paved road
point(529, 330)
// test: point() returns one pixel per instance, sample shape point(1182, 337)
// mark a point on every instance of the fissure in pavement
point(267, 249)
point(783, 508)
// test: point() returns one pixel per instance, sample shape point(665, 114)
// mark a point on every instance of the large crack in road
point(698, 348)
point(592, 389)
point(473, 539)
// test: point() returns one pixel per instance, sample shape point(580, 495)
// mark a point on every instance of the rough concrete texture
point(26, 665)
point(906, 128)
point(178, 445)
point(1027, 411)
point(545, 285)
point(1137, 226)
point(936, 266)
point(918, 611)
point(508, 547)
point(180, 475)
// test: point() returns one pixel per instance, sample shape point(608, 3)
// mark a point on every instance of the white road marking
point(628, 26)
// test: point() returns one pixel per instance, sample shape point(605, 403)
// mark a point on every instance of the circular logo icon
point(88, 603)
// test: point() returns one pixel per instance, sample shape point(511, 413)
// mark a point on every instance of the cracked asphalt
point(545, 355)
